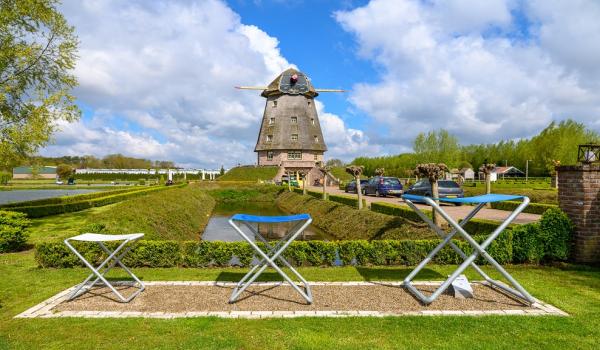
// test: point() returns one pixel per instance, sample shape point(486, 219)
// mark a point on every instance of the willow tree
point(487, 168)
point(356, 171)
point(325, 171)
point(433, 172)
point(37, 56)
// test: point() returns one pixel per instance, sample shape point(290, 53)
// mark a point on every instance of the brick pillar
point(579, 197)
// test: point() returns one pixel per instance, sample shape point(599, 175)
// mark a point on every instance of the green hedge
point(299, 253)
point(347, 200)
point(474, 226)
point(13, 231)
point(532, 208)
point(68, 199)
point(53, 209)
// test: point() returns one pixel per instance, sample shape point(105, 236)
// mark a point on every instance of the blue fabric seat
point(485, 198)
point(270, 219)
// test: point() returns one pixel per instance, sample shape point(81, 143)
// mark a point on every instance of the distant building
point(502, 172)
point(27, 172)
point(464, 173)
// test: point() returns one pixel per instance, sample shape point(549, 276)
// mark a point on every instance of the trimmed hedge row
point(474, 226)
point(13, 231)
point(548, 240)
point(532, 208)
point(347, 200)
point(68, 199)
point(53, 209)
point(299, 253)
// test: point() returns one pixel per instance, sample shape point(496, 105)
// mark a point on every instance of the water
point(218, 228)
point(30, 195)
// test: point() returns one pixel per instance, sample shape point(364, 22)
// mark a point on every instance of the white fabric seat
point(113, 258)
point(96, 237)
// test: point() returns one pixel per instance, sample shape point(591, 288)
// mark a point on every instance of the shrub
point(68, 207)
point(347, 200)
point(556, 234)
point(533, 208)
point(250, 173)
point(13, 231)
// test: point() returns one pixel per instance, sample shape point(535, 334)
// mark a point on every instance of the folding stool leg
point(270, 260)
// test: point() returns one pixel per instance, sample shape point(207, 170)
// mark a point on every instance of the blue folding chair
point(478, 249)
point(273, 252)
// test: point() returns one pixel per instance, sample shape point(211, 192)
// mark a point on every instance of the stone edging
point(45, 308)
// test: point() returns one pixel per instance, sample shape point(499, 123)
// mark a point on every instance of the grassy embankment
point(250, 173)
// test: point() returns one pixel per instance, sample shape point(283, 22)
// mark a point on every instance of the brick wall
point(579, 197)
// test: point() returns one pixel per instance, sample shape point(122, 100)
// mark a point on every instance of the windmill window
point(269, 155)
point(269, 138)
point(274, 104)
point(309, 102)
point(316, 138)
point(294, 137)
point(316, 157)
point(294, 120)
point(312, 121)
point(272, 120)
point(294, 155)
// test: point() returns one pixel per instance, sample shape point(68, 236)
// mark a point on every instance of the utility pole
point(527, 169)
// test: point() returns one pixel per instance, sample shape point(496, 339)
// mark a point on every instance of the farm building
point(502, 172)
point(27, 172)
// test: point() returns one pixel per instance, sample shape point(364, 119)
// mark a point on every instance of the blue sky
point(156, 77)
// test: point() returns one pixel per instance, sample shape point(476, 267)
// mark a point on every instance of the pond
point(30, 195)
point(218, 228)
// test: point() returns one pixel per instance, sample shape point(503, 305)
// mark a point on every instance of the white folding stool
point(273, 252)
point(478, 249)
point(115, 256)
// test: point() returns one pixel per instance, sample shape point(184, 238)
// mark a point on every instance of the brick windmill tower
point(290, 133)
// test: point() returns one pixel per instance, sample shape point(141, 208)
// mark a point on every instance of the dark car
point(351, 186)
point(446, 189)
point(383, 186)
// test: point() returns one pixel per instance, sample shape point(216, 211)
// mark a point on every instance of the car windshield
point(391, 181)
point(448, 184)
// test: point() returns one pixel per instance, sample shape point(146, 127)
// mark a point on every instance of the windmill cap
point(290, 77)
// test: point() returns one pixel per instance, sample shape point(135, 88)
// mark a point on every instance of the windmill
point(290, 133)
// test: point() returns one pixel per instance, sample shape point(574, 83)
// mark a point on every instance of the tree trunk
point(325, 186)
point(435, 193)
point(488, 187)
point(359, 192)
point(304, 184)
point(289, 181)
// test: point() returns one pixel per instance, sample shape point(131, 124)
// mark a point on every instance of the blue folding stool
point(478, 249)
point(272, 252)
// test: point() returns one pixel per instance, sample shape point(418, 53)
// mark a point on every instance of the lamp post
point(527, 169)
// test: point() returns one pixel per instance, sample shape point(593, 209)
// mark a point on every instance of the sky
point(156, 78)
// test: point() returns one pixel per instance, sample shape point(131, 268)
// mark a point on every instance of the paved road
point(454, 211)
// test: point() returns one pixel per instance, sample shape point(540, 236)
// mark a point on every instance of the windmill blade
point(251, 87)
point(329, 90)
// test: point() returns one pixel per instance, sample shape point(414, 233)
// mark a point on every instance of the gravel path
point(454, 211)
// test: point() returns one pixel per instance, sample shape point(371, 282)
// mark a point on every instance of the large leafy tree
point(37, 56)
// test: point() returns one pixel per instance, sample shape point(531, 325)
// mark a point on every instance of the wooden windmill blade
point(264, 88)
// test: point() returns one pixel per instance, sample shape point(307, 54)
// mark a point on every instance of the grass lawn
point(574, 289)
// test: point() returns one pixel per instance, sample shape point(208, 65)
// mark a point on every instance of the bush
point(5, 177)
point(533, 208)
point(13, 231)
point(69, 207)
point(250, 173)
point(556, 234)
point(347, 200)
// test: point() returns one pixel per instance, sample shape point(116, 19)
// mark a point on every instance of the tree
point(437, 147)
point(487, 168)
point(334, 163)
point(64, 171)
point(356, 171)
point(325, 171)
point(433, 172)
point(37, 55)
point(222, 171)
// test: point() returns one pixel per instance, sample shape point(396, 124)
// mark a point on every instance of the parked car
point(446, 189)
point(351, 186)
point(383, 186)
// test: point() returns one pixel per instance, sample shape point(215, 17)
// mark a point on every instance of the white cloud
point(466, 66)
point(160, 77)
